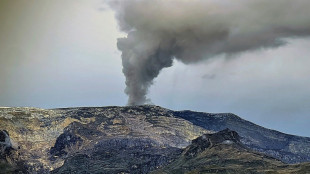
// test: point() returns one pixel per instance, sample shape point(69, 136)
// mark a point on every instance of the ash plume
point(194, 30)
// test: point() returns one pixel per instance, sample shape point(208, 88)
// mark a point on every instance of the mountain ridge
point(47, 138)
point(222, 152)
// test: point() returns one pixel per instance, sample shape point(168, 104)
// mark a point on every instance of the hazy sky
point(64, 54)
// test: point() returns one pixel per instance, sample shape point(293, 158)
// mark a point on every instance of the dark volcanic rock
point(5, 143)
point(9, 162)
point(65, 140)
point(120, 155)
point(208, 140)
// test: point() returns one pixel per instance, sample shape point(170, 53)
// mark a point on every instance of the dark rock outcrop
point(5, 143)
point(122, 155)
point(9, 162)
point(65, 141)
point(208, 140)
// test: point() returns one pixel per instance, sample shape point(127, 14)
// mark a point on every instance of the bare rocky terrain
point(132, 139)
point(222, 153)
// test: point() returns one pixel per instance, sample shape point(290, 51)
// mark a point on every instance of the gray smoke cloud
point(195, 30)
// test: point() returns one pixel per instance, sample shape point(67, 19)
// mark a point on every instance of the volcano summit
point(138, 139)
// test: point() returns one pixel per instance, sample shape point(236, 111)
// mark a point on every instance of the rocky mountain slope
point(133, 139)
point(287, 148)
point(223, 152)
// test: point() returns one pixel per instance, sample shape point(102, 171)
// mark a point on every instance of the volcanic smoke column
point(192, 31)
point(142, 59)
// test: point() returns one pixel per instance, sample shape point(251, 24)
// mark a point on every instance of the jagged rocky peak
point(225, 136)
point(205, 141)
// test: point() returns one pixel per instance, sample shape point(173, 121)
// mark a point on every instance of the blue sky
point(64, 54)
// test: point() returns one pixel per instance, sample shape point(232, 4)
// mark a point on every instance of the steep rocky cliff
point(135, 139)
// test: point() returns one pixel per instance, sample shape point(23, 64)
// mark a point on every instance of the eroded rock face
point(9, 162)
point(49, 137)
point(34, 131)
point(121, 155)
point(53, 140)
